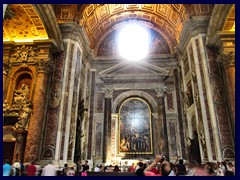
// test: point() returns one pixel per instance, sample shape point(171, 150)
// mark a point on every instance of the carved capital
point(160, 92)
point(108, 93)
point(227, 59)
point(44, 66)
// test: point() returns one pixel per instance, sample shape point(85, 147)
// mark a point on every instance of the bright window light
point(133, 42)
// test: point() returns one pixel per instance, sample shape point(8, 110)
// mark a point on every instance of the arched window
point(135, 130)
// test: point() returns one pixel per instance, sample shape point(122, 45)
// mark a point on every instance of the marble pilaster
point(36, 122)
point(176, 75)
point(228, 60)
point(107, 123)
point(164, 149)
point(199, 99)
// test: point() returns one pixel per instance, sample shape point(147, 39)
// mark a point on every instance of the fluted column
point(162, 121)
point(226, 45)
point(36, 121)
point(228, 61)
point(107, 124)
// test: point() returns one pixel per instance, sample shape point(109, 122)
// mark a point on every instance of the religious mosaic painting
point(135, 131)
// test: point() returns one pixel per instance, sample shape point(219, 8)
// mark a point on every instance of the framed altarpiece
point(135, 129)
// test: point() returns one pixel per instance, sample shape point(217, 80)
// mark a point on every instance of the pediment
point(134, 69)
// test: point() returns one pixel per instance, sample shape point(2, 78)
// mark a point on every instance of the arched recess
point(135, 127)
point(134, 93)
point(21, 75)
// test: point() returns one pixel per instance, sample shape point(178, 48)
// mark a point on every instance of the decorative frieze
point(25, 53)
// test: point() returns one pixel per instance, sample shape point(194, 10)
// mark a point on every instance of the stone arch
point(48, 153)
point(217, 20)
point(135, 93)
point(47, 15)
point(228, 152)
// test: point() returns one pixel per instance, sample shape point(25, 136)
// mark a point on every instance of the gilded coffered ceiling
point(166, 21)
point(25, 24)
point(229, 24)
point(100, 20)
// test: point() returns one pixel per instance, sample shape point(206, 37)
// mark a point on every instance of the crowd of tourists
point(157, 167)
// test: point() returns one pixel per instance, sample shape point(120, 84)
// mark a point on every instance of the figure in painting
point(135, 129)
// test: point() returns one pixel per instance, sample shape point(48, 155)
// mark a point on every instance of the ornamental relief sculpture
point(55, 94)
point(84, 141)
point(23, 53)
point(21, 102)
point(21, 107)
point(21, 96)
point(202, 137)
point(219, 96)
point(6, 66)
point(24, 117)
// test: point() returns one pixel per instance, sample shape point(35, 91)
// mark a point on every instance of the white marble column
point(201, 95)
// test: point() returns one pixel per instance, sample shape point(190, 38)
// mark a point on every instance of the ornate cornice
point(192, 28)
